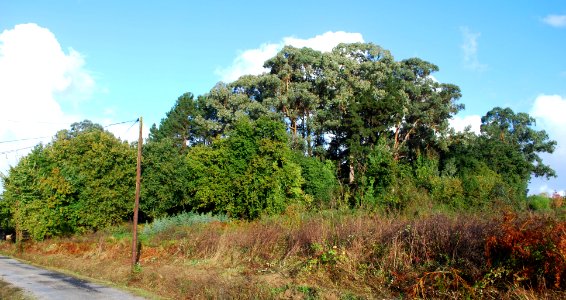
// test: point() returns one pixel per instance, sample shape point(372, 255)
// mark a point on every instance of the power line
point(66, 123)
point(26, 139)
point(131, 126)
point(135, 121)
point(16, 150)
point(44, 137)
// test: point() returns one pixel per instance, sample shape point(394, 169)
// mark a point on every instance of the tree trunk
point(351, 174)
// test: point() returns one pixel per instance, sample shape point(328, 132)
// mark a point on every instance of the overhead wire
point(124, 122)
point(135, 122)
point(15, 150)
point(26, 139)
point(37, 138)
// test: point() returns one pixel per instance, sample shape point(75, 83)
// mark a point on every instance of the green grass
point(10, 292)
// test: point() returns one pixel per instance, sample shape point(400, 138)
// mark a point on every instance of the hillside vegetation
point(326, 255)
point(332, 171)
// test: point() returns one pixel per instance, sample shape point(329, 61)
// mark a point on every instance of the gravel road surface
point(44, 284)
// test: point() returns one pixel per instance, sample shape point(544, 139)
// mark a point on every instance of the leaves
point(81, 181)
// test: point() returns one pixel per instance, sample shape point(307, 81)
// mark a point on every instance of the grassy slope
point(328, 255)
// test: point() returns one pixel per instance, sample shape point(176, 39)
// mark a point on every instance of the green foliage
point(447, 190)
point(511, 147)
point(6, 222)
point(539, 202)
point(164, 179)
point(179, 124)
point(378, 182)
point(351, 126)
point(248, 173)
point(79, 182)
point(183, 219)
point(320, 180)
point(481, 186)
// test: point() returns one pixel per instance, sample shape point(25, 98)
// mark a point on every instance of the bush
point(180, 220)
point(529, 252)
point(447, 190)
point(539, 202)
point(249, 173)
point(320, 180)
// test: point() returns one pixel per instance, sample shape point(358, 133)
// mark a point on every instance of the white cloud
point(470, 50)
point(35, 76)
point(326, 41)
point(555, 20)
point(548, 110)
point(251, 61)
point(461, 123)
point(545, 189)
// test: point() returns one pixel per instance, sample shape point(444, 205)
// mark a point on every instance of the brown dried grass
point(329, 254)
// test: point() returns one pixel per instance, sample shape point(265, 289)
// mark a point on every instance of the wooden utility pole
point(137, 201)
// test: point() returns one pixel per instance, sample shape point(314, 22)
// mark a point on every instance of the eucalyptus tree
point(427, 105)
point(511, 147)
point(297, 96)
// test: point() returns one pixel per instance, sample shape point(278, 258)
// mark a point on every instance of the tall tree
point(300, 72)
point(511, 146)
point(179, 123)
point(427, 105)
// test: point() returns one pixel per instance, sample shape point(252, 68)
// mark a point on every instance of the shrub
point(529, 252)
point(539, 202)
point(249, 173)
point(180, 220)
point(320, 179)
point(447, 190)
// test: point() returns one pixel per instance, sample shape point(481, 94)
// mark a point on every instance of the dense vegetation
point(348, 128)
point(330, 254)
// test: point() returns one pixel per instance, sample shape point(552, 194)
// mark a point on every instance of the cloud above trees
point(251, 61)
point(469, 48)
point(36, 75)
point(548, 110)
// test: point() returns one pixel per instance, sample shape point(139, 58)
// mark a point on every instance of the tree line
point(348, 128)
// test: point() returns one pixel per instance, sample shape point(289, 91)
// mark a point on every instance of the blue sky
point(112, 61)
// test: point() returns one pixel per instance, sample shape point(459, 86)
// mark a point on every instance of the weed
point(137, 268)
point(308, 292)
point(329, 254)
point(180, 220)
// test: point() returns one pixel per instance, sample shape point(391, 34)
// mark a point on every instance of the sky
point(112, 61)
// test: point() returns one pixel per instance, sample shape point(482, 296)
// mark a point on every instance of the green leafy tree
point(297, 95)
point(80, 181)
point(164, 179)
point(511, 147)
point(427, 105)
point(179, 123)
point(320, 182)
point(248, 173)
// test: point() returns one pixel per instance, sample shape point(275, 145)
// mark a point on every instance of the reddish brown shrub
point(530, 251)
point(557, 201)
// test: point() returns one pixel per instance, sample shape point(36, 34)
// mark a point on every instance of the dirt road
point(44, 284)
